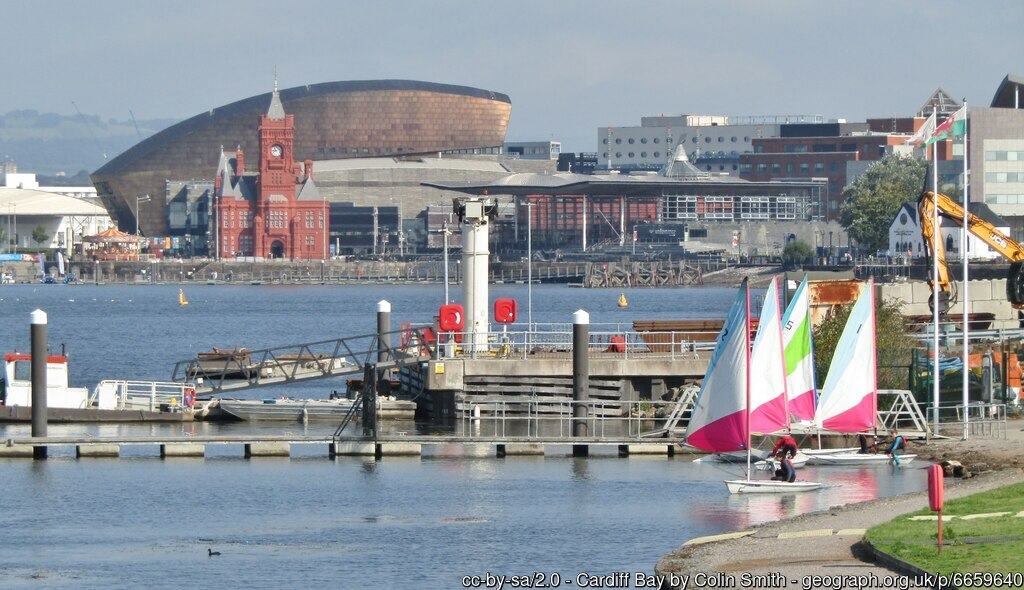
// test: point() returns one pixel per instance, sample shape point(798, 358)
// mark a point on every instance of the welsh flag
point(926, 131)
point(955, 125)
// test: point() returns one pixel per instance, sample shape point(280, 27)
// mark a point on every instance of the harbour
point(602, 512)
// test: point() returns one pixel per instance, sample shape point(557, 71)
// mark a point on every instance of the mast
point(746, 351)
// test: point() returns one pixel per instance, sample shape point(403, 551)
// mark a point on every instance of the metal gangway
point(239, 369)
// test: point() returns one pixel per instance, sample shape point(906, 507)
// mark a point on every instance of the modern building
point(395, 119)
point(583, 212)
point(533, 150)
point(713, 143)
point(996, 146)
point(59, 220)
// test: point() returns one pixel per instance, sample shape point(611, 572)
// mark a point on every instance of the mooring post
point(38, 380)
point(369, 394)
point(580, 377)
point(383, 329)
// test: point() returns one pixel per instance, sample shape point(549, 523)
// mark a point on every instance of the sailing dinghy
point(849, 398)
point(728, 409)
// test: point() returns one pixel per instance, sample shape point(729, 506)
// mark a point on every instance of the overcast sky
point(569, 66)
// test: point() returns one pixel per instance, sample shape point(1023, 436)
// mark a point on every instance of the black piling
point(38, 335)
point(580, 378)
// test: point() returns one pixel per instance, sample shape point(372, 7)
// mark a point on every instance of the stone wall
point(987, 296)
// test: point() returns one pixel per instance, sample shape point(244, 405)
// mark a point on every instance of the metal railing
point(983, 419)
point(547, 418)
point(625, 344)
point(143, 395)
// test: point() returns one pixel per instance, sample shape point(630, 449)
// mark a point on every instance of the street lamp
point(138, 202)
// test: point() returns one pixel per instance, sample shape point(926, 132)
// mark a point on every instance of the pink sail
point(849, 398)
point(719, 419)
point(768, 411)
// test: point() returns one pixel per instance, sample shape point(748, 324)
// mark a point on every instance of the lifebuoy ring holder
point(189, 397)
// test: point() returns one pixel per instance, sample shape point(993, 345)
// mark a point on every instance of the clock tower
point(275, 209)
point(278, 213)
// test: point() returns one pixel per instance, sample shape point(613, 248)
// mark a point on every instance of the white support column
point(475, 258)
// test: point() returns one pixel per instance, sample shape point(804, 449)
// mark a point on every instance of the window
point(668, 140)
point(746, 139)
point(631, 154)
point(605, 141)
point(832, 166)
point(695, 139)
point(605, 155)
point(643, 140)
point(657, 140)
point(707, 139)
point(762, 168)
point(733, 139)
point(310, 219)
point(618, 140)
point(320, 219)
point(819, 167)
point(721, 139)
point(776, 169)
point(631, 140)
point(643, 154)
point(657, 154)
point(790, 168)
point(618, 154)
point(805, 168)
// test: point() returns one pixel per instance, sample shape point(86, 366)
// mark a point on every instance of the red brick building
point(278, 213)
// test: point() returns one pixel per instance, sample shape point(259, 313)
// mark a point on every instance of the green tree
point(872, 201)
point(894, 344)
point(796, 253)
point(40, 235)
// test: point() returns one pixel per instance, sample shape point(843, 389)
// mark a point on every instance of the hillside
point(49, 143)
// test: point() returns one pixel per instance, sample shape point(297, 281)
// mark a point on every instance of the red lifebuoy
point(190, 397)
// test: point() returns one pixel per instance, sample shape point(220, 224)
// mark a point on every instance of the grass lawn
point(914, 541)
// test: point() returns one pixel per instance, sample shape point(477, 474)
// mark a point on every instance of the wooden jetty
point(334, 446)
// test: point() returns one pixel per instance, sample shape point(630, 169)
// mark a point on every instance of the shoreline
point(829, 543)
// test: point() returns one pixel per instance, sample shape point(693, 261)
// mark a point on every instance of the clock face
point(275, 151)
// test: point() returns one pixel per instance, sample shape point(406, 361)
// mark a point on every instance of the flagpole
point(966, 359)
point(936, 235)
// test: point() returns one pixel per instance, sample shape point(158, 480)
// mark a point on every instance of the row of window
point(695, 139)
point(998, 156)
point(805, 168)
point(1004, 199)
point(1004, 177)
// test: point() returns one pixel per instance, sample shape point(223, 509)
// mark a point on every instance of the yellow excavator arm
point(977, 226)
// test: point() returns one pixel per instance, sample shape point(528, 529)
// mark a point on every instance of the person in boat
point(784, 451)
point(785, 444)
point(898, 445)
point(866, 448)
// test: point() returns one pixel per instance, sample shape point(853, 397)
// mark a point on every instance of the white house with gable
point(905, 234)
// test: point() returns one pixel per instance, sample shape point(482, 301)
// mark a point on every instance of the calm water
point(312, 522)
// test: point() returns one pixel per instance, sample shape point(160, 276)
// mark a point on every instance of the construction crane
point(1000, 242)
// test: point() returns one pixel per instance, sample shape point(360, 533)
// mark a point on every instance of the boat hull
point(288, 410)
point(856, 459)
point(23, 414)
point(746, 486)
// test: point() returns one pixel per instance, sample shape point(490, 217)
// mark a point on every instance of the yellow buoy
point(622, 300)
point(181, 297)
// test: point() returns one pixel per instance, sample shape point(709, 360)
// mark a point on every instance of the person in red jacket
point(785, 445)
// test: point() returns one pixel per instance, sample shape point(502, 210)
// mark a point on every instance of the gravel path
point(825, 544)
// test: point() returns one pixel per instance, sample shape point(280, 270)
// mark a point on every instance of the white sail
point(768, 411)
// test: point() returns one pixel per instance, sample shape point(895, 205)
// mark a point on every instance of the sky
point(569, 66)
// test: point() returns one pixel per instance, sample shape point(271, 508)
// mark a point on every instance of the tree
point(894, 343)
point(796, 253)
point(40, 235)
point(872, 201)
